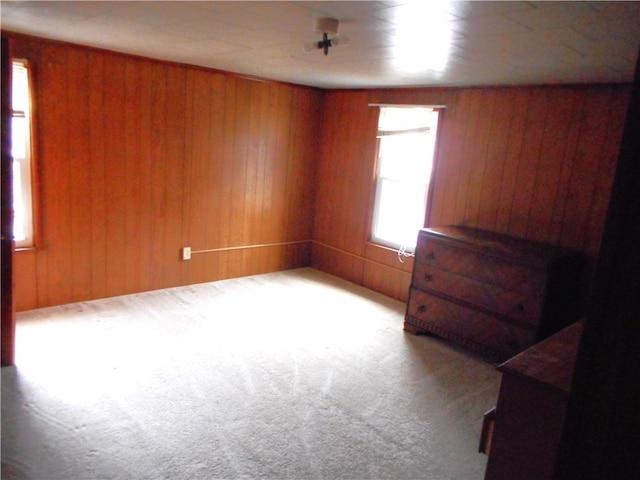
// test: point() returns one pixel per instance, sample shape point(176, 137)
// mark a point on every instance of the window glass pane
point(19, 137)
point(19, 88)
point(403, 118)
point(406, 137)
point(19, 233)
point(21, 152)
point(406, 157)
point(401, 210)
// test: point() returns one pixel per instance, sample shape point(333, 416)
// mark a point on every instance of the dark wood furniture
point(521, 436)
point(491, 293)
point(600, 437)
point(8, 330)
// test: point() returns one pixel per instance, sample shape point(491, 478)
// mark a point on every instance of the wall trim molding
point(360, 257)
point(243, 247)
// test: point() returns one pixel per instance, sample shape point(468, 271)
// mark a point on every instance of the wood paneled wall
point(138, 158)
point(534, 162)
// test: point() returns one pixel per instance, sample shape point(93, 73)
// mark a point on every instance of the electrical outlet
point(186, 253)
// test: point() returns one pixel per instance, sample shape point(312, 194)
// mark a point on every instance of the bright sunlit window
point(21, 153)
point(407, 137)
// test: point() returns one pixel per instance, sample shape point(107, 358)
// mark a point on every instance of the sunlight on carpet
point(294, 374)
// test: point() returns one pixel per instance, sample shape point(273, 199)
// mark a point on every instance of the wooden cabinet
point(491, 293)
point(522, 434)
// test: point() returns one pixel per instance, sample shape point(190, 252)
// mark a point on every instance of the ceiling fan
point(330, 38)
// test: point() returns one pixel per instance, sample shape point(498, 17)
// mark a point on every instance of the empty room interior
point(336, 239)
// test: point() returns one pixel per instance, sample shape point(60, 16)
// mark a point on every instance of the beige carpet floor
point(290, 375)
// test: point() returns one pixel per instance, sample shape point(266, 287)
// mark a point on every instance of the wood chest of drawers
point(491, 293)
point(527, 422)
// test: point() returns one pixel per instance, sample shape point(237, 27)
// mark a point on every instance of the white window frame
point(430, 130)
point(22, 164)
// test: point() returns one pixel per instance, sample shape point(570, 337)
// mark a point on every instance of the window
point(406, 145)
point(21, 153)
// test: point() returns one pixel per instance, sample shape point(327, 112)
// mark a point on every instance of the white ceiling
point(392, 43)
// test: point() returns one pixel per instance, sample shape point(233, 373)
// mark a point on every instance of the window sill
point(381, 246)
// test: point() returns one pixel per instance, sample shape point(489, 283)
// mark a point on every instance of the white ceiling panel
point(392, 43)
point(557, 14)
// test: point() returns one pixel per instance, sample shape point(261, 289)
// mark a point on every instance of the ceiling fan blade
point(340, 41)
point(310, 47)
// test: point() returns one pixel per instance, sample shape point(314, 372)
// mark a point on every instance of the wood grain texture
point(115, 192)
point(97, 140)
point(532, 162)
point(140, 158)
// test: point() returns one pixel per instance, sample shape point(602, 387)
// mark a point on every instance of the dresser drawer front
point(521, 306)
point(484, 268)
point(474, 329)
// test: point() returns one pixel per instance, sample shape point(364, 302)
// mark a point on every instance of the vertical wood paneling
point(96, 169)
point(132, 172)
point(527, 160)
point(198, 199)
point(568, 158)
point(175, 162)
point(23, 278)
point(240, 195)
point(588, 155)
point(337, 263)
point(53, 94)
point(267, 197)
point(509, 183)
point(140, 158)
point(561, 104)
point(155, 181)
point(607, 168)
point(256, 165)
point(116, 194)
point(479, 157)
point(345, 170)
point(449, 160)
point(388, 281)
point(265, 104)
point(534, 162)
point(217, 109)
point(278, 162)
point(227, 175)
point(79, 236)
point(489, 202)
point(473, 119)
point(240, 135)
point(146, 80)
point(256, 158)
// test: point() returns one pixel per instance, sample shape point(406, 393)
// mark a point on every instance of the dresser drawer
point(490, 269)
point(476, 330)
point(521, 306)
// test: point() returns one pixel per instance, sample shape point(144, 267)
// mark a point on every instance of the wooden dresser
point(521, 435)
point(493, 294)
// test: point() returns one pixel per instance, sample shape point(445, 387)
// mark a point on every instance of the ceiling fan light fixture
point(327, 25)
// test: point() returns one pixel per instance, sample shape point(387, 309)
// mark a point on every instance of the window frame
point(376, 181)
point(27, 166)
